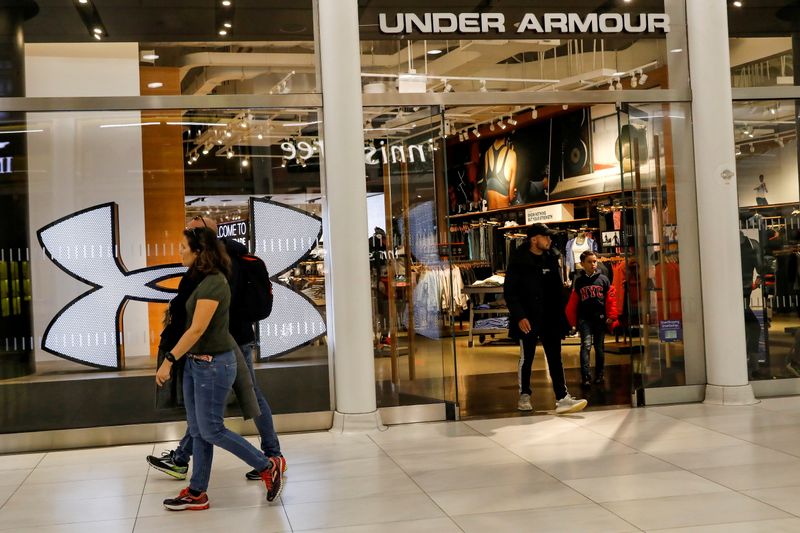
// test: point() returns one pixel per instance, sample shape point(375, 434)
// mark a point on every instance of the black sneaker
point(166, 464)
point(255, 475)
point(599, 378)
point(186, 502)
point(586, 381)
point(272, 476)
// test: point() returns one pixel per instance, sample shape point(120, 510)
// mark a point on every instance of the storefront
point(474, 125)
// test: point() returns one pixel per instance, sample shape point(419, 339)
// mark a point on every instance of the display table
point(472, 292)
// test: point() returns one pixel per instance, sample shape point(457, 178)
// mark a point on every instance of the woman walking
point(210, 371)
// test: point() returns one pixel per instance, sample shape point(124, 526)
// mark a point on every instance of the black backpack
point(255, 288)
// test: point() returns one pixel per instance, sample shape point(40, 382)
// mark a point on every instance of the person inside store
point(752, 261)
point(533, 290)
point(761, 191)
point(209, 371)
point(251, 399)
point(592, 308)
point(500, 174)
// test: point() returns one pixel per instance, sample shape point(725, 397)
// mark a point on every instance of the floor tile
point(80, 490)
point(369, 466)
point(571, 450)
point(17, 515)
point(430, 525)
point(72, 472)
point(781, 525)
point(754, 476)
point(14, 478)
point(347, 488)
point(693, 510)
point(706, 441)
point(726, 456)
point(584, 518)
point(136, 452)
point(105, 526)
point(788, 403)
point(693, 410)
point(480, 475)
point(610, 465)
point(784, 498)
point(252, 495)
point(20, 462)
point(6, 492)
point(531, 495)
point(264, 519)
point(362, 511)
point(643, 486)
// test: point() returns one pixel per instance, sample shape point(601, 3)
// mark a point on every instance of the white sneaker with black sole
point(568, 404)
point(524, 403)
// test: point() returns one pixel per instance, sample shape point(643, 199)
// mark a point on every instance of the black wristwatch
point(169, 357)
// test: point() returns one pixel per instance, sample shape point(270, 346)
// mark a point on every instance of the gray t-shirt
point(216, 338)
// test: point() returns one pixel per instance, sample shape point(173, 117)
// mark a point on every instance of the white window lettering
point(611, 23)
point(578, 25)
point(289, 149)
point(469, 23)
point(419, 151)
point(658, 21)
point(445, 23)
point(631, 28)
point(530, 23)
point(369, 153)
point(553, 21)
point(422, 25)
point(495, 21)
point(398, 24)
point(398, 150)
point(306, 150)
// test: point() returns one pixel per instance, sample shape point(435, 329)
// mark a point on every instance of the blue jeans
point(266, 429)
point(593, 333)
point(205, 389)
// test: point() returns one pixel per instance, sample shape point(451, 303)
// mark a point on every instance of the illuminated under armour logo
point(85, 246)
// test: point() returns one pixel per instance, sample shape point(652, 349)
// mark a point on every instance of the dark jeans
point(552, 351)
point(266, 429)
point(593, 333)
point(206, 386)
point(752, 332)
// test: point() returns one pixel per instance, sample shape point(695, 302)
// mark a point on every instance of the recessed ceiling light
point(676, 50)
point(149, 57)
point(228, 25)
point(223, 32)
point(737, 3)
point(83, 1)
point(96, 36)
point(155, 85)
point(98, 31)
point(434, 52)
point(226, 3)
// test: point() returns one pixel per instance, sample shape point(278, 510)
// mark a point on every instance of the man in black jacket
point(534, 293)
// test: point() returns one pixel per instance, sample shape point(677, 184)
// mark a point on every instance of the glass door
point(651, 310)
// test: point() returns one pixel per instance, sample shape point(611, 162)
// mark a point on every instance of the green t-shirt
point(215, 338)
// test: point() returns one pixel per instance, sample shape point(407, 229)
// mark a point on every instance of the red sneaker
point(255, 475)
point(186, 502)
point(272, 477)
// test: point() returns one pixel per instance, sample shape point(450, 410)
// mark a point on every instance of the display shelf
point(534, 204)
point(506, 228)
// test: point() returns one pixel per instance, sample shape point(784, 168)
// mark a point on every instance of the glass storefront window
point(765, 132)
point(102, 198)
point(180, 49)
point(522, 48)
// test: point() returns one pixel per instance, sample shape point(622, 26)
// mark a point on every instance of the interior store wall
point(74, 164)
point(779, 167)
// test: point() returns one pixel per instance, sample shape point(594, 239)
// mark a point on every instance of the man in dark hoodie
point(534, 294)
point(175, 462)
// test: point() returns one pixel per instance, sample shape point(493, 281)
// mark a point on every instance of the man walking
point(534, 294)
point(175, 462)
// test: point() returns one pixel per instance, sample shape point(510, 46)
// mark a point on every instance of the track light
point(534, 113)
point(245, 162)
point(228, 25)
point(228, 134)
point(512, 121)
point(611, 85)
point(737, 3)
point(476, 133)
point(634, 81)
point(780, 142)
point(752, 148)
point(565, 107)
point(260, 136)
point(283, 163)
point(618, 85)
point(500, 123)
point(229, 155)
point(491, 126)
point(223, 33)
point(205, 150)
point(642, 78)
point(483, 86)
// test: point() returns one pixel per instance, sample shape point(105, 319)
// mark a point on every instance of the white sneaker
point(524, 403)
point(568, 404)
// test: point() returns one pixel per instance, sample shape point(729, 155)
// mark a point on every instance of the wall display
point(550, 213)
point(524, 166)
point(611, 238)
point(236, 230)
point(282, 245)
point(768, 176)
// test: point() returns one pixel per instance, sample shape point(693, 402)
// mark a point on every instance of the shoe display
point(524, 403)
point(568, 404)
point(166, 464)
point(599, 378)
point(186, 502)
point(272, 477)
point(255, 475)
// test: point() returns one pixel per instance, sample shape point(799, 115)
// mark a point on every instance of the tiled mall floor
point(687, 468)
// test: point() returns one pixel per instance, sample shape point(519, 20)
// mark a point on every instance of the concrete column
point(349, 313)
point(717, 204)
